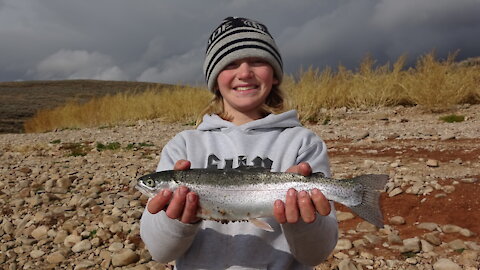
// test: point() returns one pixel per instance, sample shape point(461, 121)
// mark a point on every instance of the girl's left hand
point(301, 204)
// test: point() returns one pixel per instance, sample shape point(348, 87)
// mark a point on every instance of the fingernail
point(292, 192)
point(166, 193)
point(278, 203)
point(191, 198)
point(302, 194)
point(315, 191)
point(183, 191)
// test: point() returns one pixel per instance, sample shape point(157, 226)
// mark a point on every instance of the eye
point(149, 182)
point(232, 65)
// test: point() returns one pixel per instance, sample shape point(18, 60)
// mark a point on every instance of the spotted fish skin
point(250, 192)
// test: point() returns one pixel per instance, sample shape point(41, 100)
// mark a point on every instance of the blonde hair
point(275, 103)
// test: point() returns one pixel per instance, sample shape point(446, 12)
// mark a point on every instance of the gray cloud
point(164, 41)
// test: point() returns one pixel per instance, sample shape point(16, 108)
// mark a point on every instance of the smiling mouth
point(245, 88)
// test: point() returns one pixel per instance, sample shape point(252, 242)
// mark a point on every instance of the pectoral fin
point(261, 224)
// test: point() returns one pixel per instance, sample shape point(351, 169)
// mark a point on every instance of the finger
point(279, 212)
point(304, 169)
point(182, 165)
point(322, 205)
point(189, 214)
point(305, 205)
point(293, 169)
point(177, 204)
point(291, 207)
point(158, 203)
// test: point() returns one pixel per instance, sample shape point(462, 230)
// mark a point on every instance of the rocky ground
point(68, 202)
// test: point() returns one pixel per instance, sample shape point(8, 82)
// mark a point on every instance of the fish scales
point(250, 192)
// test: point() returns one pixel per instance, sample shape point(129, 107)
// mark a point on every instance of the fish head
point(151, 184)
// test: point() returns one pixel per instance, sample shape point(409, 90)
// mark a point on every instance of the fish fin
point(261, 224)
point(369, 208)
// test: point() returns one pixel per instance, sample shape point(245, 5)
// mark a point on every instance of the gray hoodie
point(276, 142)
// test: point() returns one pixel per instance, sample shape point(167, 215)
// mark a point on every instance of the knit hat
point(238, 38)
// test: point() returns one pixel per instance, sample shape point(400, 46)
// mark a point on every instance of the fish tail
point(369, 208)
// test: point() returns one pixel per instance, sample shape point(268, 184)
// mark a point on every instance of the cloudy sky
point(164, 41)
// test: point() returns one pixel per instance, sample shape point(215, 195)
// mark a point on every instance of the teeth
point(243, 88)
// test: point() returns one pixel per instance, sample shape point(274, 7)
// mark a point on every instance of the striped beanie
point(238, 38)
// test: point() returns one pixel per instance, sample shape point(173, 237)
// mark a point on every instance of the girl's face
point(245, 85)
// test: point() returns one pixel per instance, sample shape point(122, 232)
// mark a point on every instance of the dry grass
point(433, 84)
point(175, 104)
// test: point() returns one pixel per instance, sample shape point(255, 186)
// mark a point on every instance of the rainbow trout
point(247, 193)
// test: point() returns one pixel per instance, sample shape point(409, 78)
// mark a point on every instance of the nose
point(244, 70)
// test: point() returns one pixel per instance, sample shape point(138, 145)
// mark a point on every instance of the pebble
point(343, 244)
point(396, 220)
point(365, 226)
point(125, 257)
point(433, 163)
point(40, 233)
point(446, 264)
point(457, 244)
point(55, 258)
point(82, 246)
point(396, 191)
point(342, 216)
point(346, 264)
point(428, 226)
point(411, 245)
point(36, 253)
point(71, 240)
point(78, 213)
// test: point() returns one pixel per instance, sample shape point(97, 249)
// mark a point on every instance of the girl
point(243, 125)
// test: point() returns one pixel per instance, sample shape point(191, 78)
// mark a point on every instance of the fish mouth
point(146, 191)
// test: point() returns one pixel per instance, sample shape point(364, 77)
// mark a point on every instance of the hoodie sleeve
point(312, 243)
point(167, 239)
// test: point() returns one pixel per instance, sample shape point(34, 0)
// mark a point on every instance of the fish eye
point(149, 182)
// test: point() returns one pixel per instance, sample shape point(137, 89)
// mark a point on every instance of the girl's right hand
point(181, 204)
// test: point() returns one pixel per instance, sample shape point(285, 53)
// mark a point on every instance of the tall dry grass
point(431, 83)
point(174, 104)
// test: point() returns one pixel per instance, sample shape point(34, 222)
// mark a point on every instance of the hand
point(301, 204)
point(181, 204)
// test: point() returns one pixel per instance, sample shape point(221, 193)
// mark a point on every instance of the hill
point(20, 100)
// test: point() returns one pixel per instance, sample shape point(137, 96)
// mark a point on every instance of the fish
point(248, 193)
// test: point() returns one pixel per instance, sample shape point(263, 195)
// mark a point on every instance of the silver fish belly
point(249, 192)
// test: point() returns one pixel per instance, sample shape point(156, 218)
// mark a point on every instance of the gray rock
point(411, 245)
point(40, 233)
point(36, 253)
point(125, 257)
point(426, 246)
point(428, 226)
point(395, 192)
point(346, 264)
point(343, 244)
point(71, 240)
point(115, 247)
point(457, 244)
point(82, 246)
point(466, 232)
point(432, 238)
point(365, 226)
point(342, 216)
point(394, 239)
point(55, 258)
point(446, 264)
point(84, 264)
